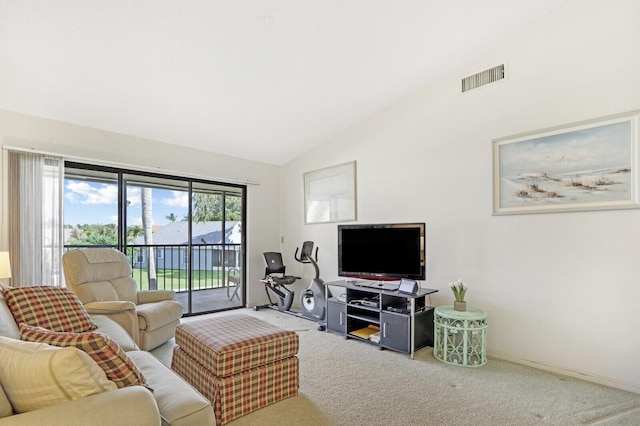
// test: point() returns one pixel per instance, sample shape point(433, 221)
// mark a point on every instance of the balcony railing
point(212, 265)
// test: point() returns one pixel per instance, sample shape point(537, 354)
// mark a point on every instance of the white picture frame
point(590, 165)
point(330, 194)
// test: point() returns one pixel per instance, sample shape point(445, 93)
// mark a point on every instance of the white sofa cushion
point(179, 403)
point(132, 406)
point(5, 406)
point(8, 326)
point(37, 375)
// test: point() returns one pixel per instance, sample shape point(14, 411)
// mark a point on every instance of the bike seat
point(286, 280)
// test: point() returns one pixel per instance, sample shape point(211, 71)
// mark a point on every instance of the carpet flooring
point(346, 382)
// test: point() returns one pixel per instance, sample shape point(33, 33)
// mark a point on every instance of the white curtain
point(35, 218)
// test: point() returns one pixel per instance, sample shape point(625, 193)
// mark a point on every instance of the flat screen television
point(381, 251)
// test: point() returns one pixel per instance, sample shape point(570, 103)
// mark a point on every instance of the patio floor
point(210, 300)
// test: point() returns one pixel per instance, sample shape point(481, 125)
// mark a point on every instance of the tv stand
point(403, 321)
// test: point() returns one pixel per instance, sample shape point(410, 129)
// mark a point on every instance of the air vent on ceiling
point(484, 77)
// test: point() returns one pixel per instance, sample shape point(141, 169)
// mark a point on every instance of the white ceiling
point(259, 79)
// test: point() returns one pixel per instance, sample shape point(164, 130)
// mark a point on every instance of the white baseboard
point(627, 386)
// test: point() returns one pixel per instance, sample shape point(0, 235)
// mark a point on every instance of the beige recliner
point(101, 278)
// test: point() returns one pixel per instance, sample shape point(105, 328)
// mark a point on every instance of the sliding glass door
point(216, 247)
point(179, 234)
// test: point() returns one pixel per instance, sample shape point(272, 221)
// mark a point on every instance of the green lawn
point(176, 279)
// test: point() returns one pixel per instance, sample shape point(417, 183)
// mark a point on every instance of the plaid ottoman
point(238, 362)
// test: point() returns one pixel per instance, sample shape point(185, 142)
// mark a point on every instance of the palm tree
point(171, 217)
point(133, 232)
point(147, 229)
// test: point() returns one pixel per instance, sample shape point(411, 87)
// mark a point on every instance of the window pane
point(217, 239)
point(90, 208)
point(157, 231)
point(200, 260)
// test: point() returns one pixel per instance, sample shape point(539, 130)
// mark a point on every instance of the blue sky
point(97, 203)
point(594, 148)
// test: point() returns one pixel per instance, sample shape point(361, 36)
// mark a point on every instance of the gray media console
point(393, 320)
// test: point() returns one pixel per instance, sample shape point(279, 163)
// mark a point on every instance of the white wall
point(19, 130)
point(562, 289)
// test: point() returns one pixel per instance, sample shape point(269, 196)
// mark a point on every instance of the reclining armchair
point(101, 278)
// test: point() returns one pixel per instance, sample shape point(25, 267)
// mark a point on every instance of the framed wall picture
point(330, 194)
point(591, 165)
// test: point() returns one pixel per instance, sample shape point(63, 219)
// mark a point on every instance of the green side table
point(460, 336)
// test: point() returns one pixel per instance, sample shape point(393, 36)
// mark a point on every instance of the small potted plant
point(459, 290)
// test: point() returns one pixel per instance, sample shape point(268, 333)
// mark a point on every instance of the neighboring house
point(171, 247)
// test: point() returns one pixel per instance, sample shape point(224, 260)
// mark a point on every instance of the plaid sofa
point(238, 362)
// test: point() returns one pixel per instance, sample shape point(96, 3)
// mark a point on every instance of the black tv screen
point(381, 251)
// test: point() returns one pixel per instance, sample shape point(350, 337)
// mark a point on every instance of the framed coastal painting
point(591, 165)
point(330, 194)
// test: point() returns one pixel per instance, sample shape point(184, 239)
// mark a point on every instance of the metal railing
point(212, 265)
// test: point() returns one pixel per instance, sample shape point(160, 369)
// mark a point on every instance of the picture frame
point(330, 194)
point(589, 165)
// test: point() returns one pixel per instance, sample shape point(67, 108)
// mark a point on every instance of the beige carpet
point(346, 382)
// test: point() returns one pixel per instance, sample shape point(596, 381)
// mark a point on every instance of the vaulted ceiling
point(264, 80)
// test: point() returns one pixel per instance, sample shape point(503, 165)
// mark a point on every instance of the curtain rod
point(130, 166)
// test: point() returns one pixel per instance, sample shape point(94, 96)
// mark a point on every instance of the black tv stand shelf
point(403, 321)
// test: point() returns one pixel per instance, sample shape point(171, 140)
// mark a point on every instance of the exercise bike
point(313, 298)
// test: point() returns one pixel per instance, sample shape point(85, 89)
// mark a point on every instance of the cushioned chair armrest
point(110, 307)
point(134, 406)
point(150, 296)
point(123, 313)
